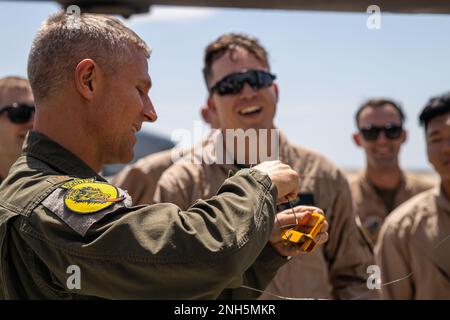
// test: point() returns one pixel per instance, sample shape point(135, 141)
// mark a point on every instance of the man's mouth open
point(251, 110)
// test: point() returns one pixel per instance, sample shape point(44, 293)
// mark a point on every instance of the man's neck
point(384, 178)
point(72, 138)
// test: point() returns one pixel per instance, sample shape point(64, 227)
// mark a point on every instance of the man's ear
point(357, 139)
point(404, 136)
point(86, 75)
point(211, 105)
point(275, 87)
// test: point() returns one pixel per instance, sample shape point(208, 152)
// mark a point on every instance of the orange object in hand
point(305, 240)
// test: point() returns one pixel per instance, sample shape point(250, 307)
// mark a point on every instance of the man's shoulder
point(146, 169)
point(312, 162)
point(413, 210)
point(26, 186)
point(416, 183)
point(358, 185)
point(154, 161)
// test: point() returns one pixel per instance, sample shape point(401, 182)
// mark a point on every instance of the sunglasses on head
point(233, 83)
point(18, 112)
point(391, 131)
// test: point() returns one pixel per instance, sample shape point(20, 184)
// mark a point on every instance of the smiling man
point(16, 118)
point(414, 243)
point(89, 76)
point(141, 178)
point(243, 95)
point(383, 185)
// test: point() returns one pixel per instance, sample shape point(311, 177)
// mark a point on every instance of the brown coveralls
point(414, 248)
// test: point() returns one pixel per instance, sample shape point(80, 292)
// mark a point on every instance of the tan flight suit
point(335, 270)
point(414, 248)
point(126, 252)
point(370, 207)
point(140, 179)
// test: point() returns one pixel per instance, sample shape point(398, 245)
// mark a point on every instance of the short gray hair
point(65, 39)
point(12, 85)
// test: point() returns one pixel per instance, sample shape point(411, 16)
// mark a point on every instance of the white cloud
point(173, 14)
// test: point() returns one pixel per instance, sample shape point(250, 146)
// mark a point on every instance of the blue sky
point(326, 64)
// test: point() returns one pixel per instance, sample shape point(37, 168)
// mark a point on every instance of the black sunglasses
point(391, 131)
point(233, 83)
point(18, 112)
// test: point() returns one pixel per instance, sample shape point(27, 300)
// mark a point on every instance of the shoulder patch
point(82, 202)
point(90, 197)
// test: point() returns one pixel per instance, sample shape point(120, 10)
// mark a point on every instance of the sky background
point(326, 65)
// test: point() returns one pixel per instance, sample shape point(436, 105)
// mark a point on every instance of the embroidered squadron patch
point(84, 196)
point(80, 203)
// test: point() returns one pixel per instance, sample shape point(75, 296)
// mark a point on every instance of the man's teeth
point(250, 110)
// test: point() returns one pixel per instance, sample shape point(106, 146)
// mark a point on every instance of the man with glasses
point(414, 243)
point(383, 185)
point(243, 95)
point(16, 118)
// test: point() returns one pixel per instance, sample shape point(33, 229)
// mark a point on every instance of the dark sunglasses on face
point(18, 112)
point(233, 83)
point(391, 131)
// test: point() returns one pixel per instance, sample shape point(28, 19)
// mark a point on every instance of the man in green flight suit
point(59, 217)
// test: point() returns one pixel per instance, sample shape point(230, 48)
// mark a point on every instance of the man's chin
point(127, 158)
point(386, 165)
point(122, 159)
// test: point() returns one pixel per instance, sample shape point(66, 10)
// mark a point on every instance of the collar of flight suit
point(43, 148)
point(402, 187)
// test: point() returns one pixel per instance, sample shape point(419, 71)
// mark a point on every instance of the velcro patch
point(85, 203)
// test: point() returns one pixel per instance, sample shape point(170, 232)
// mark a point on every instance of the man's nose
point(382, 137)
point(248, 91)
point(149, 112)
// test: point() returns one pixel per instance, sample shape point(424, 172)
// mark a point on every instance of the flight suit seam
point(37, 200)
point(10, 207)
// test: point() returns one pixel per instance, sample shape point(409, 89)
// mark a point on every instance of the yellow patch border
point(81, 196)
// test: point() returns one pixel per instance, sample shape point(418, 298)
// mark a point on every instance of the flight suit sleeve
point(258, 277)
point(348, 253)
point(159, 251)
point(391, 256)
